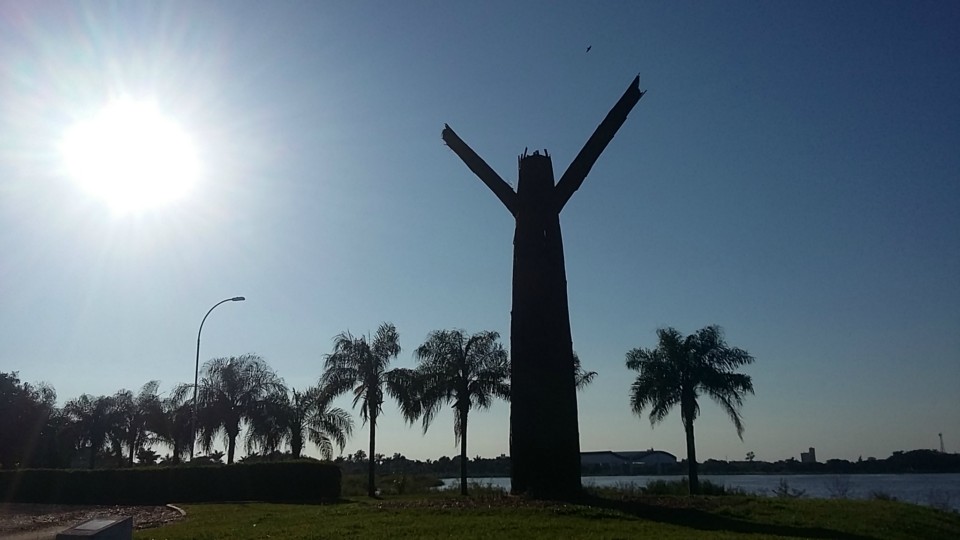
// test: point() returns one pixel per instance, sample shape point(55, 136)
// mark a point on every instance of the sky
point(792, 175)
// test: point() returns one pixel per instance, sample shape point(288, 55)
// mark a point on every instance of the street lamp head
point(237, 299)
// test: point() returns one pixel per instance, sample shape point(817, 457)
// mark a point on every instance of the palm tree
point(465, 371)
point(300, 417)
point(170, 422)
point(229, 392)
point(133, 414)
point(93, 419)
point(581, 377)
point(359, 365)
point(679, 370)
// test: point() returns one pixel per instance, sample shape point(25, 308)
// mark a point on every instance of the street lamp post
point(196, 373)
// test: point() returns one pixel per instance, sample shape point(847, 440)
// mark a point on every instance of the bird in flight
point(589, 47)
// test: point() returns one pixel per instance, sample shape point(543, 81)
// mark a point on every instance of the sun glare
point(131, 156)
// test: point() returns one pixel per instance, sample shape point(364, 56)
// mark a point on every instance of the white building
point(621, 460)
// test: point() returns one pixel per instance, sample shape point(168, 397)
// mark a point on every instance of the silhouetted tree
point(25, 411)
point(581, 377)
point(359, 364)
point(170, 422)
point(544, 432)
point(133, 414)
point(679, 370)
point(93, 419)
point(465, 371)
point(297, 418)
point(229, 392)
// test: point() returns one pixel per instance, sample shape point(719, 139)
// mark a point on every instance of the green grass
point(492, 514)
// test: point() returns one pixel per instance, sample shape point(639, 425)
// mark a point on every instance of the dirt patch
point(23, 521)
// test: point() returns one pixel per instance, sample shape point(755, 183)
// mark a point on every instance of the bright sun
point(131, 156)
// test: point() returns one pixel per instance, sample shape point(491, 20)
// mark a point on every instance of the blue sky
point(792, 175)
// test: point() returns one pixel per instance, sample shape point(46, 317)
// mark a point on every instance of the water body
point(938, 490)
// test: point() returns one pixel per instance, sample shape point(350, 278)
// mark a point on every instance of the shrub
point(838, 486)
point(879, 495)
point(632, 490)
point(286, 481)
point(682, 487)
point(355, 485)
point(783, 490)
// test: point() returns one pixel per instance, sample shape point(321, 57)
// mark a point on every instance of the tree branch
point(581, 165)
point(475, 163)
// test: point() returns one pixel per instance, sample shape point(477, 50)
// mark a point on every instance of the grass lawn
point(501, 516)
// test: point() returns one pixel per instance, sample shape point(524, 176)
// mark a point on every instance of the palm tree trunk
point(371, 464)
point(691, 459)
point(231, 447)
point(296, 446)
point(544, 432)
point(463, 452)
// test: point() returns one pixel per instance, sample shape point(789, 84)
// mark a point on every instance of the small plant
point(400, 484)
point(784, 491)
point(486, 491)
point(879, 495)
point(940, 499)
point(682, 487)
point(838, 487)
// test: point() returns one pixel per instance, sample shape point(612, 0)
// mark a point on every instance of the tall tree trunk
point(176, 453)
point(371, 464)
point(691, 458)
point(231, 447)
point(544, 432)
point(544, 435)
point(296, 446)
point(463, 451)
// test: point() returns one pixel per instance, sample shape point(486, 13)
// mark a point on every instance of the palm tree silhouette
point(92, 418)
point(682, 368)
point(297, 418)
point(581, 378)
point(170, 422)
point(230, 392)
point(359, 365)
point(133, 417)
point(465, 371)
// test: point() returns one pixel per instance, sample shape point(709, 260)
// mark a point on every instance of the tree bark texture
point(544, 431)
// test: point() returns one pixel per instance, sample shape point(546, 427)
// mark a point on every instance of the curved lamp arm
point(196, 372)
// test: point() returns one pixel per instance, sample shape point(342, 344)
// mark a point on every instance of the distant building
point(809, 457)
point(625, 461)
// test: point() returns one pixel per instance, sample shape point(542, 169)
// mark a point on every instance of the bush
point(630, 490)
point(275, 482)
point(355, 485)
point(879, 495)
point(784, 491)
point(682, 487)
point(838, 486)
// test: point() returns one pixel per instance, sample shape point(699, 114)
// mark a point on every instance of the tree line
point(243, 395)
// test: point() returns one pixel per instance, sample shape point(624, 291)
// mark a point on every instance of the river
point(938, 490)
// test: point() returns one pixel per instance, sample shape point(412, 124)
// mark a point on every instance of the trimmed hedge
point(290, 481)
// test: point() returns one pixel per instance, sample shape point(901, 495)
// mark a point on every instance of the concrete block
point(106, 528)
